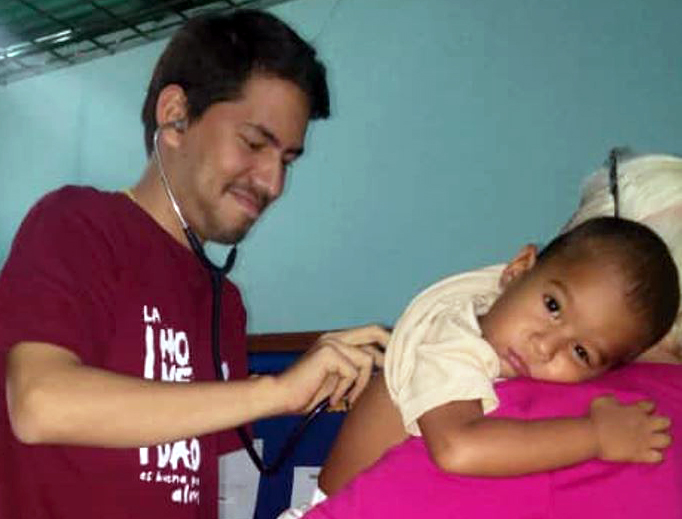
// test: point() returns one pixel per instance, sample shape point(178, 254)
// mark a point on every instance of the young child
point(593, 299)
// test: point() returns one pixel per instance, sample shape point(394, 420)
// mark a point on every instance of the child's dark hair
point(212, 56)
point(652, 288)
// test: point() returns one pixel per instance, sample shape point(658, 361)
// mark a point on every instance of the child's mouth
point(516, 362)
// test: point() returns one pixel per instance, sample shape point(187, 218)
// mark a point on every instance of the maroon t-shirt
point(92, 272)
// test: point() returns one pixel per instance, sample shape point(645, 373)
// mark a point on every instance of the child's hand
point(629, 432)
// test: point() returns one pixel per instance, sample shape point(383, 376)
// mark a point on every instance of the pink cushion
point(405, 484)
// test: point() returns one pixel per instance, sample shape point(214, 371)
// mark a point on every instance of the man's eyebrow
point(270, 136)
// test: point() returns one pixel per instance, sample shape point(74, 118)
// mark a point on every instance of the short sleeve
point(55, 283)
point(436, 353)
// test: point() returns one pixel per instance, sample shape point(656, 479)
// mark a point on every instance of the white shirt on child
point(436, 353)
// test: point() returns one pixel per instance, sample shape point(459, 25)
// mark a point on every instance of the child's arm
point(462, 440)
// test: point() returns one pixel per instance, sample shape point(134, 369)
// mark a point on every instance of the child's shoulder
point(456, 292)
point(481, 281)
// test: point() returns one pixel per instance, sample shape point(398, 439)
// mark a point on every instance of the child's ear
point(521, 263)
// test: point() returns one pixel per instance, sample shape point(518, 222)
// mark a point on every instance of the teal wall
point(461, 130)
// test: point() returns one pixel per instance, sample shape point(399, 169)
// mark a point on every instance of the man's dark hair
point(651, 279)
point(212, 56)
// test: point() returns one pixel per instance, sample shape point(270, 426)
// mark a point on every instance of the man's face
point(230, 164)
point(563, 321)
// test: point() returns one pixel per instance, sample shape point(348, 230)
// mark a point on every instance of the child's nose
point(546, 345)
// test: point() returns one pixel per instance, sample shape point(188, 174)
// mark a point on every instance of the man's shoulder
point(72, 218)
point(72, 198)
point(71, 207)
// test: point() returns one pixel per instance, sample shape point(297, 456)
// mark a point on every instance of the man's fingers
point(358, 344)
point(361, 382)
point(342, 365)
point(348, 358)
point(363, 360)
point(376, 354)
point(322, 393)
point(342, 387)
point(341, 373)
point(369, 334)
point(365, 335)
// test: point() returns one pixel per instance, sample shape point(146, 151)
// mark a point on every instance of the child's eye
point(552, 305)
point(582, 354)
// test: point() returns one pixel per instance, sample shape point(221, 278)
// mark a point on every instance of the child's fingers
point(603, 400)
point(651, 456)
point(660, 440)
point(659, 423)
point(646, 405)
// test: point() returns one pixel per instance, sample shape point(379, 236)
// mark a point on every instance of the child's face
point(561, 320)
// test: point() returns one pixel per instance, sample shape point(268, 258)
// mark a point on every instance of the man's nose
point(269, 175)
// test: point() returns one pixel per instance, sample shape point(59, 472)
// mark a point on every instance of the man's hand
point(629, 432)
point(339, 363)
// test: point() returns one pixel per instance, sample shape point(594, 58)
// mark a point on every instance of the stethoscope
point(217, 275)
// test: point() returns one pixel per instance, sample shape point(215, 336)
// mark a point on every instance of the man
point(112, 405)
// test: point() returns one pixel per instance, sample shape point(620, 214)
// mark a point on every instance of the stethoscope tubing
point(217, 275)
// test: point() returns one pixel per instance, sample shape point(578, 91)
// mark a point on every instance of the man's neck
point(149, 193)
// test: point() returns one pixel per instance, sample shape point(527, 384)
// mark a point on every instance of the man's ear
point(521, 263)
point(171, 105)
